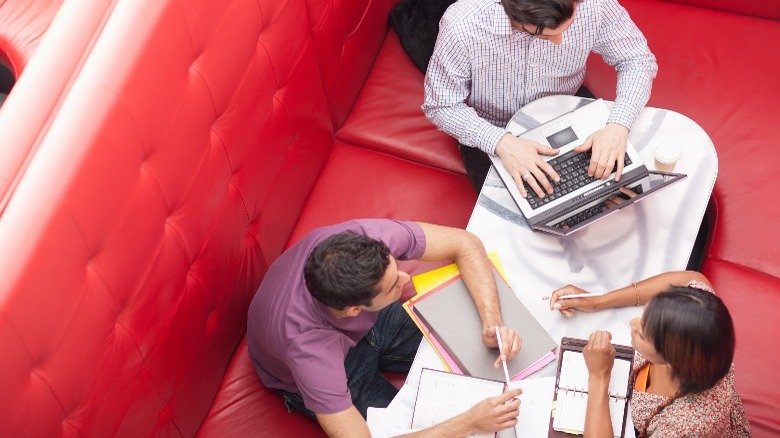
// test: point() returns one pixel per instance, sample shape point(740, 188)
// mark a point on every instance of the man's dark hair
point(544, 14)
point(344, 270)
point(693, 331)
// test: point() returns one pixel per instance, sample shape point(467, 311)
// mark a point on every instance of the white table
point(648, 238)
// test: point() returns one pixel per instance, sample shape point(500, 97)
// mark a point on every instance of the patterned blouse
point(716, 412)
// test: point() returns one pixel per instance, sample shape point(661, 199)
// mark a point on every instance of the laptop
point(579, 200)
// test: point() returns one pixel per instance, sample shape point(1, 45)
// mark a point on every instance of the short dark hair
point(544, 14)
point(693, 331)
point(344, 270)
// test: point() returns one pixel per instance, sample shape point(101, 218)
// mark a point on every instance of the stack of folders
point(571, 390)
point(448, 318)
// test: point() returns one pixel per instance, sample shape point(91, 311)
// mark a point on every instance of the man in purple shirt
point(326, 321)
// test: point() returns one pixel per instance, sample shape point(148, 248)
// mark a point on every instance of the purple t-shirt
point(295, 342)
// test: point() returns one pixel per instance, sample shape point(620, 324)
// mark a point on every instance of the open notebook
point(443, 395)
point(571, 389)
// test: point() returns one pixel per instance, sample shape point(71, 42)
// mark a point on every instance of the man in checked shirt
point(494, 56)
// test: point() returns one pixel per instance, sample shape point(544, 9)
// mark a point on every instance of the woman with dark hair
point(683, 375)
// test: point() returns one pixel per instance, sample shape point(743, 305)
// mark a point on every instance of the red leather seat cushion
point(716, 68)
point(752, 301)
point(756, 8)
point(244, 407)
point(387, 115)
point(388, 187)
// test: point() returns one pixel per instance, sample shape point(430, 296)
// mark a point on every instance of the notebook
point(571, 390)
point(442, 395)
point(579, 200)
point(449, 319)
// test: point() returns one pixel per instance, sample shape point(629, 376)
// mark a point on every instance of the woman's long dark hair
point(693, 331)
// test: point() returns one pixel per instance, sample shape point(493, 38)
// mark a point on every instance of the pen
point(585, 295)
point(501, 352)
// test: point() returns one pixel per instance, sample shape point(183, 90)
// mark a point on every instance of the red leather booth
point(157, 156)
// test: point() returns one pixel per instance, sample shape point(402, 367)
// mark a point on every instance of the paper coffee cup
point(667, 153)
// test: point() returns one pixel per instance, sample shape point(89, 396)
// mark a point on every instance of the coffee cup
point(667, 153)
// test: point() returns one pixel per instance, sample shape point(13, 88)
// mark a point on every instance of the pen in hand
point(501, 352)
point(570, 296)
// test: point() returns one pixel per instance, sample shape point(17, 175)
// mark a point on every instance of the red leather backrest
point(22, 24)
point(756, 8)
point(348, 35)
point(167, 176)
point(38, 90)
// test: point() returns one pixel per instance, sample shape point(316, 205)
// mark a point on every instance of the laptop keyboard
point(594, 210)
point(572, 167)
point(581, 216)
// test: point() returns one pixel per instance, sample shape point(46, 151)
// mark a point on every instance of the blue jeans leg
point(389, 346)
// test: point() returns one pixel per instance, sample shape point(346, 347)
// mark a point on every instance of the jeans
point(390, 345)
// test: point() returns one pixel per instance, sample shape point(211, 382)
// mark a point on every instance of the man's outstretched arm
point(489, 415)
point(467, 251)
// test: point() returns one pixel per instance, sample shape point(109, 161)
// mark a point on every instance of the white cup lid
point(667, 151)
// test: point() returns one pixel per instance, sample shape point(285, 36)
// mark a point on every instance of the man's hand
point(509, 338)
point(609, 150)
point(599, 355)
point(521, 158)
point(494, 414)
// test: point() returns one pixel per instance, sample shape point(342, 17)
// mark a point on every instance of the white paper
point(384, 423)
point(425, 357)
point(443, 395)
point(574, 374)
point(535, 406)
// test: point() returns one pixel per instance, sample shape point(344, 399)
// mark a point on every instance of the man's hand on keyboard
point(521, 158)
point(609, 149)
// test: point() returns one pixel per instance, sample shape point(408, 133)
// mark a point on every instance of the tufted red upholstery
point(24, 31)
point(181, 150)
point(755, 8)
point(714, 67)
point(157, 156)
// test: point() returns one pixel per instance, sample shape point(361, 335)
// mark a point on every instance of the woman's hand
point(599, 355)
point(568, 306)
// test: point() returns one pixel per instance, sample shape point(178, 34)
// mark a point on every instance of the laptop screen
point(610, 202)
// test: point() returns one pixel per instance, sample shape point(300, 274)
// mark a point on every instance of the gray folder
point(452, 318)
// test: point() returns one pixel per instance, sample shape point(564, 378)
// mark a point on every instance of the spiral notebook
point(571, 390)
point(442, 395)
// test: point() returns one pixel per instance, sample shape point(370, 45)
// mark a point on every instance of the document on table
point(535, 406)
point(443, 395)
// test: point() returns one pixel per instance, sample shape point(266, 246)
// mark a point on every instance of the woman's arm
point(599, 358)
point(634, 294)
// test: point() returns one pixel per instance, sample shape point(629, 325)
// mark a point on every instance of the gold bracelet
point(636, 292)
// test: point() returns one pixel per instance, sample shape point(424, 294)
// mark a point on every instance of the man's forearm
point(467, 251)
point(477, 273)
